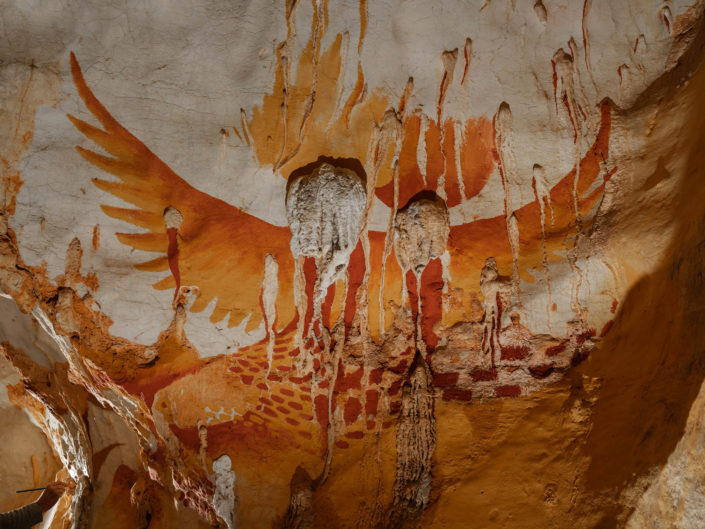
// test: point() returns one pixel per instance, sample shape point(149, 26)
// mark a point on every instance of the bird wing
point(547, 226)
point(217, 242)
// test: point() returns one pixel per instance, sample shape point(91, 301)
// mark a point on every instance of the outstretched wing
point(218, 248)
point(546, 226)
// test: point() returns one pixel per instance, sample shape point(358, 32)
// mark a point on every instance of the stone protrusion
point(224, 501)
point(540, 11)
point(173, 217)
point(416, 443)
point(324, 210)
point(421, 230)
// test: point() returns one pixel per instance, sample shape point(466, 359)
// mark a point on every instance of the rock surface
point(354, 264)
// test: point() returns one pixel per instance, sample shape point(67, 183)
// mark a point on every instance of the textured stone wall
point(354, 264)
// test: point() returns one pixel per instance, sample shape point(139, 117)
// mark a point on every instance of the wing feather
point(221, 249)
point(160, 264)
point(138, 217)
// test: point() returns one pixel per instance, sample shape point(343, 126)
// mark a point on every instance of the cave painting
point(359, 323)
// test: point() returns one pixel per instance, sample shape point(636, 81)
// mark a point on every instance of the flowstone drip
point(324, 210)
point(421, 232)
point(415, 443)
point(224, 497)
point(496, 291)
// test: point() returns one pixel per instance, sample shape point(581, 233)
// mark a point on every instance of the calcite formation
point(354, 264)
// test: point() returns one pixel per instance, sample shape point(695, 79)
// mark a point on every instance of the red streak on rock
point(457, 394)
point(305, 435)
point(583, 337)
point(555, 84)
point(606, 328)
point(507, 391)
point(484, 375)
point(284, 410)
point(665, 19)
point(287, 392)
point(355, 435)
point(172, 255)
point(320, 406)
point(555, 350)
point(613, 308)
point(394, 406)
point(277, 398)
point(262, 385)
point(371, 425)
point(327, 305)
point(570, 115)
point(246, 379)
point(441, 95)
point(579, 356)
point(496, 325)
point(352, 410)
point(400, 367)
point(582, 112)
point(413, 293)
point(295, 405)
point(356, 273)
point(300, 380)
point(310, 281)
point(269, 411)
point(236, 369)
point(395, 387)
point(585, 40)
point(467, 63)
point(371, 401)
point(376, 375)
point(541, 371)
point(323, 384)
point(445, 379)
point(348, 381)
point(291, 421)
point(342, 444)
point(431, 302)
point(514, 352)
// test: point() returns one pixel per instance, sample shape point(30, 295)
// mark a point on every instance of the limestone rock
point(354, 264)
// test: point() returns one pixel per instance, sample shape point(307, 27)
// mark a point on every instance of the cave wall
point(354, 263)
